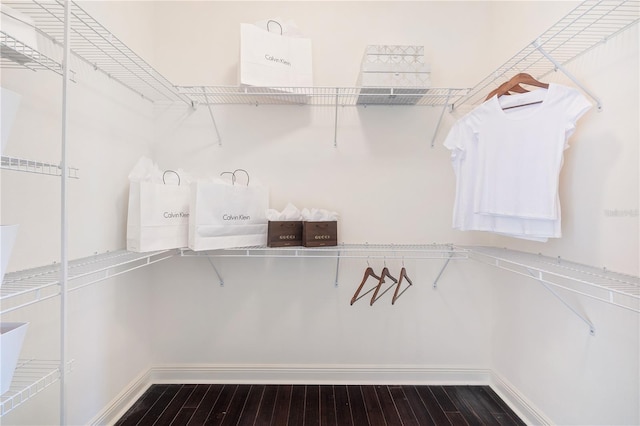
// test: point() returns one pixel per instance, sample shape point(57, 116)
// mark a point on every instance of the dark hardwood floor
point(298, 405)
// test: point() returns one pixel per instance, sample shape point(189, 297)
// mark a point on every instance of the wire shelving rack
point(587, 26)
point(23, 288)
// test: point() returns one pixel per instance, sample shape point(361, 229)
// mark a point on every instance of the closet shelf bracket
point(215, 126)
point(446, 263)
point(444, 108)
point(220, 280)
point(538, 277)
point(558, 67)
point(337, 269)
point(335, 121)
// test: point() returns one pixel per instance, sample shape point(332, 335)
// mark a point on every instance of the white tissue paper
point(290, 213)
point(319, 215)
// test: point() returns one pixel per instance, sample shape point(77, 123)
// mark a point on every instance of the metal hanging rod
point(590, 24)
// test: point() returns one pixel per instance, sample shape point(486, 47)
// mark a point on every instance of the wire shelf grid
point(368, 251)
point(588, 25)
point(597, 283)
point(98, 47)
point(16, 54)
point(37, 167)
point(321, 96)
point(23, 288)
point(30, 378)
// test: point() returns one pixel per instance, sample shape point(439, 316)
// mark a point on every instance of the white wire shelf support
point(23, 288)
point(96, 46)
point(322, 96)
point(30, 378)
point(587, 26)
point(614, 288)
point(36, 167)
point(446, 252)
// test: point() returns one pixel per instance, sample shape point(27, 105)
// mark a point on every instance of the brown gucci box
point(284, 233)
point(319, 234)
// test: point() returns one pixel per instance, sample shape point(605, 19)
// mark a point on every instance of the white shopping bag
point(158, 216)
point(273, 59)
point(227, 214)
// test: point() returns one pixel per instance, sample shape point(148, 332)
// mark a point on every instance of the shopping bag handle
point(275, 22)
point(233, 175)
point(170, 171)
point(242, 170)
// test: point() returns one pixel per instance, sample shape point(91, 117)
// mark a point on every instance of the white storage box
point(20, 27)
point(11, 338)
point(394, 58)
point(9, 102)
point(7, 239)
point(393, 66)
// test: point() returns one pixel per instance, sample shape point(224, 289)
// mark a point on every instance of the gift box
point(319, 233)
point(284, 233)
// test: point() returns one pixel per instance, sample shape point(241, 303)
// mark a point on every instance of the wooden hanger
point(385, 273)
point(513, 85)
point(367, 273)
point(403, 274)
point(516, 89)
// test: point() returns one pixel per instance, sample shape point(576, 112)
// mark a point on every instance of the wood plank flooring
point(301, 405)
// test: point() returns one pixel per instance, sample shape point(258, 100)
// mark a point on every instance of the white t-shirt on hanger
point(520, 151)
point(472, 163)
point(464, 155)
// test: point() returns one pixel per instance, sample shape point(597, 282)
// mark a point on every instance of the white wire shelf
point(93, 44)
point(590, 24)
point(366, 251)
point(30, 378)
point(597, 283)
point(23, 288)
point(37, 167)
point(321, 96)
point(16, 54)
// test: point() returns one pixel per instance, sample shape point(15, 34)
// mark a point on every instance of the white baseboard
point(319, 374)
point(125, 399)
point(520, 405)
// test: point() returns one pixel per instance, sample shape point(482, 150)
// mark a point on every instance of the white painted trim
point(525, 409)
point(317, 374)
point(124, 400)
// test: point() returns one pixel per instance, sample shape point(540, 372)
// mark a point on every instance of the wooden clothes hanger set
point(397, 282)
point(514, 85)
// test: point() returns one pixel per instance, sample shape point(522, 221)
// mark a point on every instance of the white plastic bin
point(8, 235)
point(10, 345)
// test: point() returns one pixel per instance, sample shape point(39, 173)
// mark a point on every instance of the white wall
point(387, 184)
